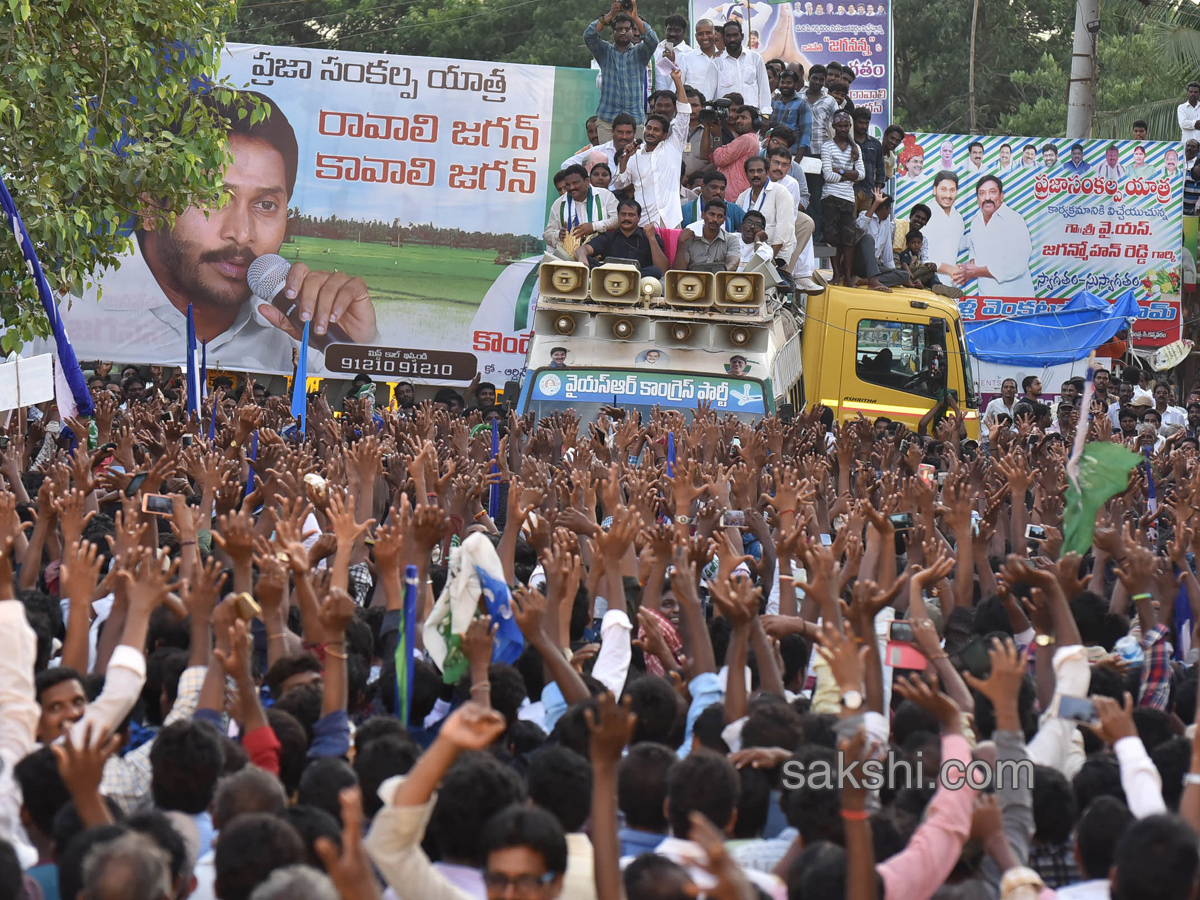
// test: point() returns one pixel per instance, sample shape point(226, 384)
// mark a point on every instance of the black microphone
point(267, 276)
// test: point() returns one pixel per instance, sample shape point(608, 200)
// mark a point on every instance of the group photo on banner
point(857, 35)
point(1023, 224)
point(406, 194)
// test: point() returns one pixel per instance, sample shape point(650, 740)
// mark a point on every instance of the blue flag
point(253, 458)
point(193, 376)
point(509, 642)
point(404, 646)
point(494, 492)
point(299, 395)
point(68, 365)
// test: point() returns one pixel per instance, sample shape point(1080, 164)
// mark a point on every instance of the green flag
point(1103, 473)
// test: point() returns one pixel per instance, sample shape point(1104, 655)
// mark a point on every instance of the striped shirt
point(623, 74)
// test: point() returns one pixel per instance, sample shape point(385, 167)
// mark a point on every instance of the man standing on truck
point(628, 241)
point(653, 170)
point(622, 65)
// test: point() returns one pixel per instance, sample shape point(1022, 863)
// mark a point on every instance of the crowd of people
point(376, 658)
point(679, 127)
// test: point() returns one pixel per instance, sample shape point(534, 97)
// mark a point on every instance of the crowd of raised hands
point(206, 697)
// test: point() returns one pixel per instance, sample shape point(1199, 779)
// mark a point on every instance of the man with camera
point(730, 158)
point(622, 64)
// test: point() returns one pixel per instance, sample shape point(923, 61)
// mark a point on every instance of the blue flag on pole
point(494, 492)
point(74, 392)
point(193, 376)
point(253, 458)
point(299, 395)
point(404, 647)
point(670, 454)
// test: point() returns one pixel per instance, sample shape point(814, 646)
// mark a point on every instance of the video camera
point(715, 111)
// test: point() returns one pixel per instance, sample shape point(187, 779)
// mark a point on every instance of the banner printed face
point(854, 34)
point(1104, 220)
point(427, 178)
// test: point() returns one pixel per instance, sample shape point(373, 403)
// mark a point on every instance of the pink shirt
point(730, 159)
point(922, 867)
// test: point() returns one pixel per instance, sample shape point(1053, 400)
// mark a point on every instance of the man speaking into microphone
point(203, 259)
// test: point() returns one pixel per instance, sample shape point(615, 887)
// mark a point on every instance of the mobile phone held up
point(157, 505)
point(901, 651)
point(733, 518)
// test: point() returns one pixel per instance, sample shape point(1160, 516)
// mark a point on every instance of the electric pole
point(1081, 89)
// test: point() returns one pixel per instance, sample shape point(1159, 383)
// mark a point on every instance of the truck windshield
point(588, 391)
point(905, 356)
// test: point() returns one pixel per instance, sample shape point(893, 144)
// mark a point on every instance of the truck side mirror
point(512, 390)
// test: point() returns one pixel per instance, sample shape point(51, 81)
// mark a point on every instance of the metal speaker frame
point(683, 335)
point(606, 325)
point(616, 284)
point(552, 280)
point(702, 286)
point(749, 284)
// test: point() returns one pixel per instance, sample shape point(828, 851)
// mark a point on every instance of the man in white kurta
point(775, 203)
point(583, 210)
point(654, 169)
point(999, 246)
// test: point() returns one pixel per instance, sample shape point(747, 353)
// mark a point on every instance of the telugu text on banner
point(427, 178)
point(1024, 224)
point(858, 35)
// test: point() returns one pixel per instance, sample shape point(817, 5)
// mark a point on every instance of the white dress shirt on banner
point(1003, 246)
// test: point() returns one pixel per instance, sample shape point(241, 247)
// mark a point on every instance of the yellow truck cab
point(607, 337)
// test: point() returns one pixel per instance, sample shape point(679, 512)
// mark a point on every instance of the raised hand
point(81, 572)
point(235, 535)
point(611, 729)
point(473, 727)
point(932, 700)
point(336, 613)
point(350, 869)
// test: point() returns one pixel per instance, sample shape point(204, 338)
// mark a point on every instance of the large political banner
point(427, 178)
point(858, 35)
point(1025, 224)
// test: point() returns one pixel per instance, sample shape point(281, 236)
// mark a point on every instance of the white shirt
point(1003, 246)
point(699, 71)
point(996, 408)
point(581, 157)
point(1096, 889)
point(1188, 116)
point(655, 174)
point(780, 210)
point(745, 75)
point(1174, 415)
point(943, 236)
point(880, 231)
point(19, 714)
point(793, 188)
point(600, 209)
point(1104, 170)
point(135, 320)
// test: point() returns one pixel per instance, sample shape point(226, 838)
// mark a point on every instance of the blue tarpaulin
point(1068, 333)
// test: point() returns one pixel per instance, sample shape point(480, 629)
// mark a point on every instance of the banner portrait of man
point(202, 259)
point(998, 245)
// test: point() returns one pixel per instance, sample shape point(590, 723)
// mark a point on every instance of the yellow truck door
point(887, 367)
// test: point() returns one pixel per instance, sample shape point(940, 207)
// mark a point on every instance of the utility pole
point(1081, 89)
point(971, 119)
